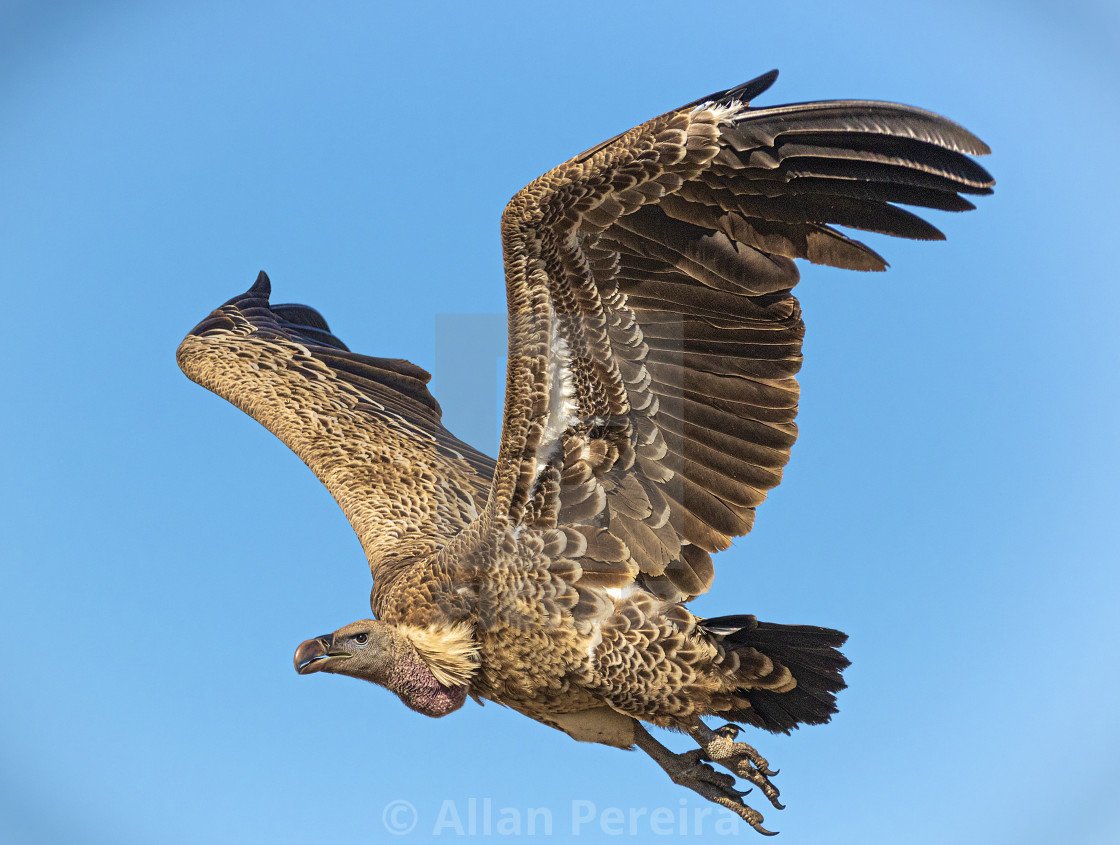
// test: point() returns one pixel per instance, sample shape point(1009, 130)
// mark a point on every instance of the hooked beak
point(315, 655)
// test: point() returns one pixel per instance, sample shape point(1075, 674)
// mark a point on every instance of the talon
point(768, 789)
point(767, 772)
point(748, 814)
point(754, 818)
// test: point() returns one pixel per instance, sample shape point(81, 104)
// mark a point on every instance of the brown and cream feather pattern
point(651, 396)
point(367, 427)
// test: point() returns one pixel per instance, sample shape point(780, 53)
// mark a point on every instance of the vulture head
point(381, 654)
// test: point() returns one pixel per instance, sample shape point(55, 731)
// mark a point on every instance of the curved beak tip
point(310, 655)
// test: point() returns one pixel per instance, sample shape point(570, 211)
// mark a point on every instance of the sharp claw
point(748, 814)
point(769, 773)
point(771, 793)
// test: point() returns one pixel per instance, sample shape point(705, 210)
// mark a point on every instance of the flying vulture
point(654, 342)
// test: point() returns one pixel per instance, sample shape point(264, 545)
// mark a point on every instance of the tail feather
point(810, 653)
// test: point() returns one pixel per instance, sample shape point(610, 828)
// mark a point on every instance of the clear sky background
point(952, 503)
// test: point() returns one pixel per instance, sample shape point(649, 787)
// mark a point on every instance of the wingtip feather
point(749, 90)
point(262, 286)
point(740, 93)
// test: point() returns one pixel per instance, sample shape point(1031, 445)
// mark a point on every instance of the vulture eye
point(361, 639)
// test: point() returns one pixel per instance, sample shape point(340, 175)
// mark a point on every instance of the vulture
point(651, 391)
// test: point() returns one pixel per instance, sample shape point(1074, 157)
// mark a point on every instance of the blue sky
point(951, 503)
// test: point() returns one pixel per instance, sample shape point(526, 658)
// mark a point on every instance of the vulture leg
point(689, 769)
point(719, 746)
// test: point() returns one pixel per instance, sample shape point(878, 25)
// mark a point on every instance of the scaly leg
point(689, 769)
point(719, 746)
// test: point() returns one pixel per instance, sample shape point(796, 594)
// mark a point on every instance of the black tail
point(810, 653)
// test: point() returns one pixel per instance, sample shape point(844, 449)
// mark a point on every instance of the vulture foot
point(690, 770)
point(719, 746)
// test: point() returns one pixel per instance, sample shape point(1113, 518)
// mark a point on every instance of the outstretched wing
point(367, 427)
point(654, 338)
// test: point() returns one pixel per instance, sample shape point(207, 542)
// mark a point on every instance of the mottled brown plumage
point(654, 344)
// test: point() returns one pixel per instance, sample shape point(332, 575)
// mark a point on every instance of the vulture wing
point(367, 427)
point(654, 338)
